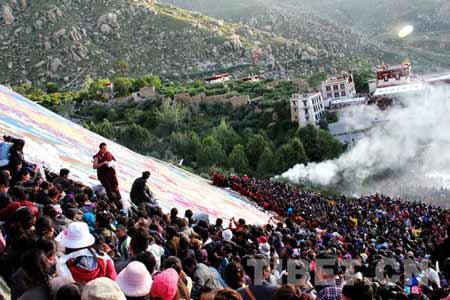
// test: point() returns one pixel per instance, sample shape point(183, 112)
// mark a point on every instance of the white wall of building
point(307, 108)
point(337, 87)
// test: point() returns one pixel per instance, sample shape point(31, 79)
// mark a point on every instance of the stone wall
point(236, 101)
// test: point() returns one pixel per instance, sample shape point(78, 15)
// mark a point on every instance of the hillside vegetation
point(256, 138)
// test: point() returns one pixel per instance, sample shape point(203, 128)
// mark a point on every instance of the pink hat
point(165, 285)
point(135, 280)
point(76, 236)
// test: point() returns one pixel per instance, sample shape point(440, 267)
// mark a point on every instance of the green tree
point(105, 129)
point(38, 95)
point(153, 80)
point(330, 148)
point(135, 137)
point(185, 145)
point(316, 79)
point(97, 88)
point(139, 83)
point(362, 76)
point(170, 116)
point(226, 136)
point(266, 164)
point(309, 135)
point(290, 154)
point(23, 89)
point(122, 86)
point(51, 87)
point(121, 67)
point(211, 153)
point(323, 124)
point(238, 160)
point(255, 147)
point(332, 117)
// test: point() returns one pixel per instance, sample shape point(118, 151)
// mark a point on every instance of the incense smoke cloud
point(411, 140)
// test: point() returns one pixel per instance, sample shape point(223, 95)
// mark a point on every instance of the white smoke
point(411, 140)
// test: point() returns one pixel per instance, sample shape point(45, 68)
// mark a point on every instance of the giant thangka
point(55, 142)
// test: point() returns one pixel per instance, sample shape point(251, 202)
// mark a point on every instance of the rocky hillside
point(285, 19)
point(65, 40)
point(349, 25)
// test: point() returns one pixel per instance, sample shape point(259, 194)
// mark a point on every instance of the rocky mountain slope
point(65, 40)
point(373, 28)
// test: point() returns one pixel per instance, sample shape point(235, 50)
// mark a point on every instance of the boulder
point(51, 16)
point(75, 34)
point(59, 33)
point(55, 65)
point(7, 14)
point(38, 25)
point(39, 64)
point(312, 51)
point(110, 19)
point(105, 28)
point(236, 42)
point(215, 52)
point(152, 11)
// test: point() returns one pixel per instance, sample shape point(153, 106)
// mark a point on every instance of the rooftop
point(217, 76)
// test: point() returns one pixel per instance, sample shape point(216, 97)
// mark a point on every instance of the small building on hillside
point(339, 86)
point(307, 108)
point(252, 78)
point(108, 90)
point(145, 92)
point(217, 79)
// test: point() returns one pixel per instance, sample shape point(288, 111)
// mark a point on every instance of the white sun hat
point(227, 235)
point(76, 236)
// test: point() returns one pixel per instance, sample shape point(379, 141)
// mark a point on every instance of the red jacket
point(83, 267)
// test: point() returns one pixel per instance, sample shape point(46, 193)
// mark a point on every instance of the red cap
point(261, 240)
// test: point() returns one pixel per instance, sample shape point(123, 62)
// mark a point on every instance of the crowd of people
point(63, 240)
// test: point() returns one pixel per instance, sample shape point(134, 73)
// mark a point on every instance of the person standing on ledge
point(140, 193)
point(104, 162)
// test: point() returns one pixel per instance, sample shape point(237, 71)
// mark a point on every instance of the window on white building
point(329, 95)
point(336, 94)
point(343, 94)
point(328, 88)
point(335, 87)
point(342, 86)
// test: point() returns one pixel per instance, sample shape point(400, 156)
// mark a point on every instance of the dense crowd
point(63, 240)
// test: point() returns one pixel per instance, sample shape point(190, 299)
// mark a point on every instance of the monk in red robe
point(104, 162)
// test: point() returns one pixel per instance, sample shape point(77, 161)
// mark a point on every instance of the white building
point(307, 108)
point(218, 79)
point(339, 86)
